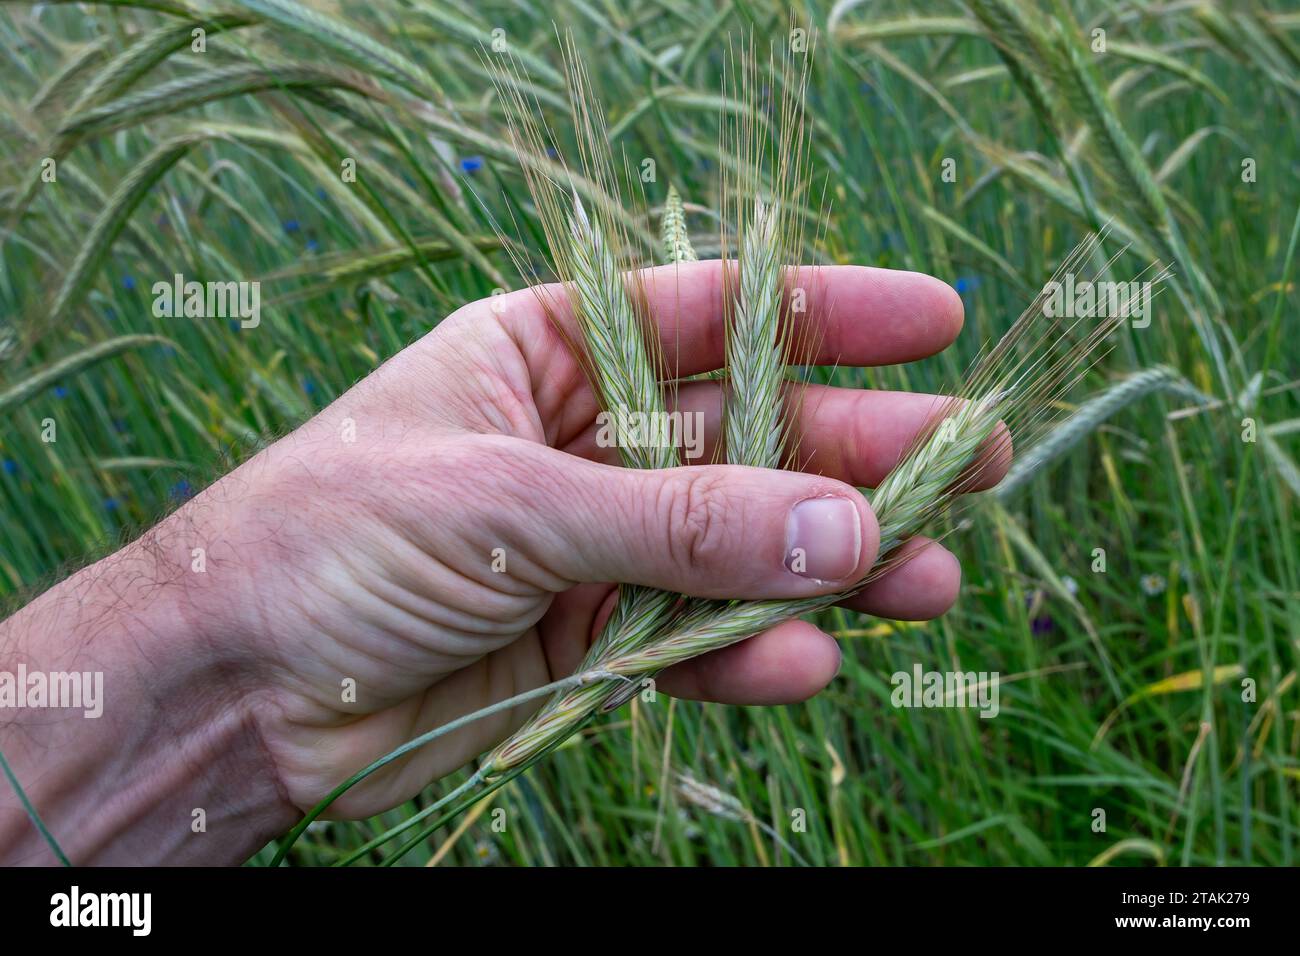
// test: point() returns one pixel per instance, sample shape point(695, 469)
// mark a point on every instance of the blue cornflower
point(128, 283)
point(291, 225)
point(471, 163)
point(10, 466)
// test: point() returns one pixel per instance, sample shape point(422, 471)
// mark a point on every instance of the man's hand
point(442, 537)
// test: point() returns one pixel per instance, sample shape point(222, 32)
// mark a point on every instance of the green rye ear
point(672, 230)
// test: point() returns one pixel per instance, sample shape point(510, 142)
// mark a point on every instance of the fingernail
point(823, 538)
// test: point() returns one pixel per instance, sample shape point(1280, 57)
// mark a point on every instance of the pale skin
point(359, 548)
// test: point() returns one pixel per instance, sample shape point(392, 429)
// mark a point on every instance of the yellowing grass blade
point(1188, 680)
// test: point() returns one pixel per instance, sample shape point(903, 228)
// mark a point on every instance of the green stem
point(432, 735)
point(492, 787)
point(474, 780)
point(31, 812)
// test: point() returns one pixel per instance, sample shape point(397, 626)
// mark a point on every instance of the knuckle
point(698, 525)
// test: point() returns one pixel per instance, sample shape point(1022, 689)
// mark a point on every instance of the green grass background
point(226, 165)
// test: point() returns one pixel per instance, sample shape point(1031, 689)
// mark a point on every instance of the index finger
point(849, 315)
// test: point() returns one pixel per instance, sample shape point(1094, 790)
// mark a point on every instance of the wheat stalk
point(626, 378)
point(672, 230)
point(760, 192)
point(1088, 417)
point(716, 801)
point(754, 355)
point(616, 350)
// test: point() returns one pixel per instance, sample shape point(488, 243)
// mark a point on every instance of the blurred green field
point(1121, 691)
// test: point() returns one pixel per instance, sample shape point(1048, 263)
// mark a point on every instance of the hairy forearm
point(160, 760)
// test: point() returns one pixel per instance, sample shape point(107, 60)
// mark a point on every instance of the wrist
point(165, 764)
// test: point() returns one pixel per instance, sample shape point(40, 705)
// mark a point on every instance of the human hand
point(349, 601)
point(481, 437)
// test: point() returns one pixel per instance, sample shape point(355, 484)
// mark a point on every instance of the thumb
point(722, 531)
